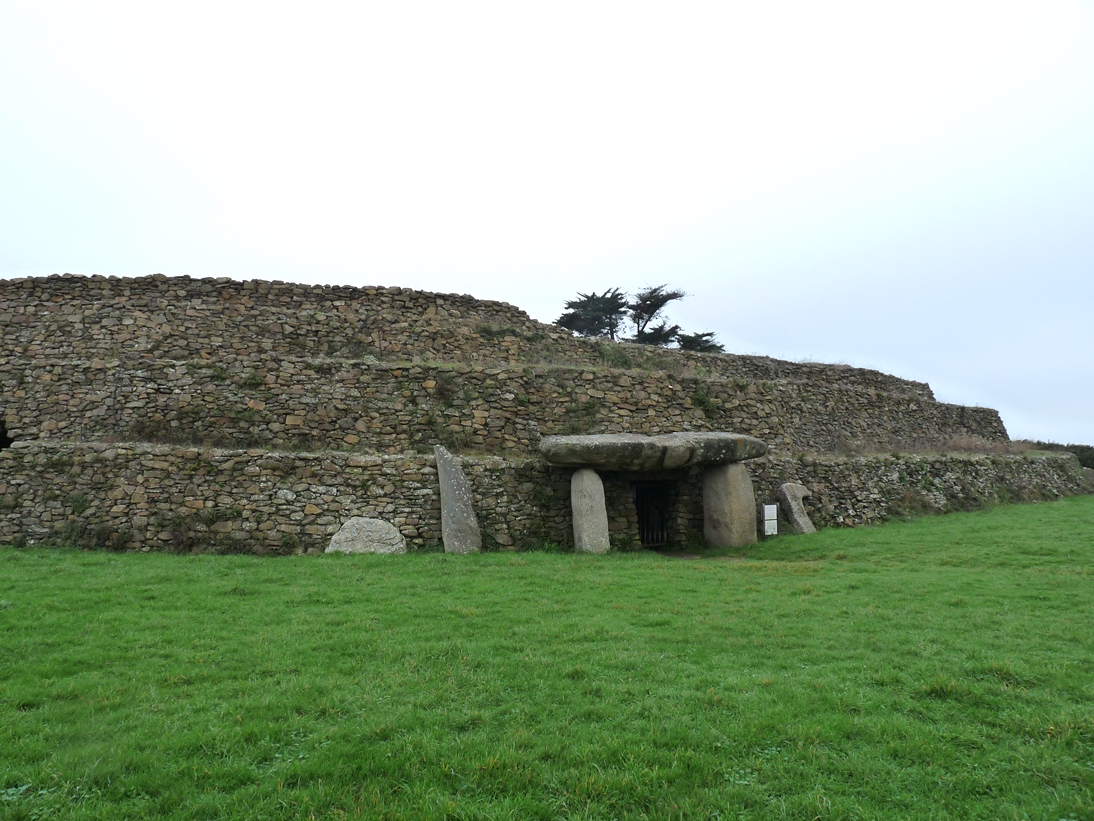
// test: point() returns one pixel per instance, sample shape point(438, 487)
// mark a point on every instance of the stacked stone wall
point(139, 496)
point(180, 414)
point(236, 324)
point(379, 408)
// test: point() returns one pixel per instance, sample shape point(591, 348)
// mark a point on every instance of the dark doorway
point(5, 440)
point(652, 500)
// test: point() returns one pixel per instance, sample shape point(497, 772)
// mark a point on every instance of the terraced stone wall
point(236, 324)
point(379, 408)
point(257, 416)
point(147, 497)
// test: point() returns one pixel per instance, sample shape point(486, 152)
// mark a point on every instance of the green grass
point(935, 669)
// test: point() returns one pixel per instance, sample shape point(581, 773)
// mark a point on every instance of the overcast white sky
point(906, 186)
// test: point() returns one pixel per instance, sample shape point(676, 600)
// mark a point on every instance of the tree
point(647, 306)
point(604, 315)
point(703, 343)
point(595, 314)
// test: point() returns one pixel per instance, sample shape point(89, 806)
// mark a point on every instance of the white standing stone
point(459, 527)
point(361, 535)
point(729, 506)
point(589, 512)
point(790, 497)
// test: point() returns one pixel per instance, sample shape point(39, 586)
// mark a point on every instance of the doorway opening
point(653, 502)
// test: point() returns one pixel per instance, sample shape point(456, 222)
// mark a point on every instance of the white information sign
point(771, 520)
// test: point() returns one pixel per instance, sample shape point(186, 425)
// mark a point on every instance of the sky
point(905, 186)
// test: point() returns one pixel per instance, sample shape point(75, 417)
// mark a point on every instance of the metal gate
point(651, 500)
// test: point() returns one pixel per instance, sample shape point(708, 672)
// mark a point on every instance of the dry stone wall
point(140, 496)
point(381, 408)
point(182, 414)
point(234, 323)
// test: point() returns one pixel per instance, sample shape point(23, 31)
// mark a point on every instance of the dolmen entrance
point(729, 503)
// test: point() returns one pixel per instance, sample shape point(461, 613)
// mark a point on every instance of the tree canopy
point(606, 315)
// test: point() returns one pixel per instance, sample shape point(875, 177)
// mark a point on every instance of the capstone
point(635, 452)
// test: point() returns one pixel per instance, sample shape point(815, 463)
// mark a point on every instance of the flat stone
point(790, 497)
point(634, 452)
point(459, 527)
point(589, 512)
point(729, 506)
point(361, 535)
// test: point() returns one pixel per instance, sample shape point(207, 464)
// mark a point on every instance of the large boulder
point(589, 511)
point(637, 453)
point(361, 535)
point(459, 527)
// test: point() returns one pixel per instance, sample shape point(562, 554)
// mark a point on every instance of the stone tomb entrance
point(653, 503)
point(729, 504)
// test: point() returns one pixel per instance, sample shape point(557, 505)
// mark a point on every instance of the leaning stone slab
point(1088, 478)
point(459, 527)
point(590, 513)
point(361, 535)
point(634, 452)
point(729, 506)
point(790, 497)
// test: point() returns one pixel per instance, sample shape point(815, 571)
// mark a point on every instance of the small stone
point(312, 510)
point(790, 497)
point(361, 535)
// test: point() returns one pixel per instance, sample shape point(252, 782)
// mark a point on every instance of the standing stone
point(361, 535)
point(589, 511)
point(729, 506)
point(790, 497)
point(459, 527)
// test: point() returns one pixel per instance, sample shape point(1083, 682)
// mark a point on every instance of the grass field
point(935, 669)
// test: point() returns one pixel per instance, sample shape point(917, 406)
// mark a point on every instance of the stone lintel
point(637, 453)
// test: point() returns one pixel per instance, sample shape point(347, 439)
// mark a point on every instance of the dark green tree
point(596, 314)
point(647, 306)
point(704, 343)
point(604, 315)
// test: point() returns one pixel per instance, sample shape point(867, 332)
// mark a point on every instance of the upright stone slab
point(729, 506)
point(459, 527)
point(361, 535)
point(590, 513)
point(790, 496)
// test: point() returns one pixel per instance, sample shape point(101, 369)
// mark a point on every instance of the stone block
point(729, 506)
point(790, 497)
point(589, 512)
point(459, 527)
